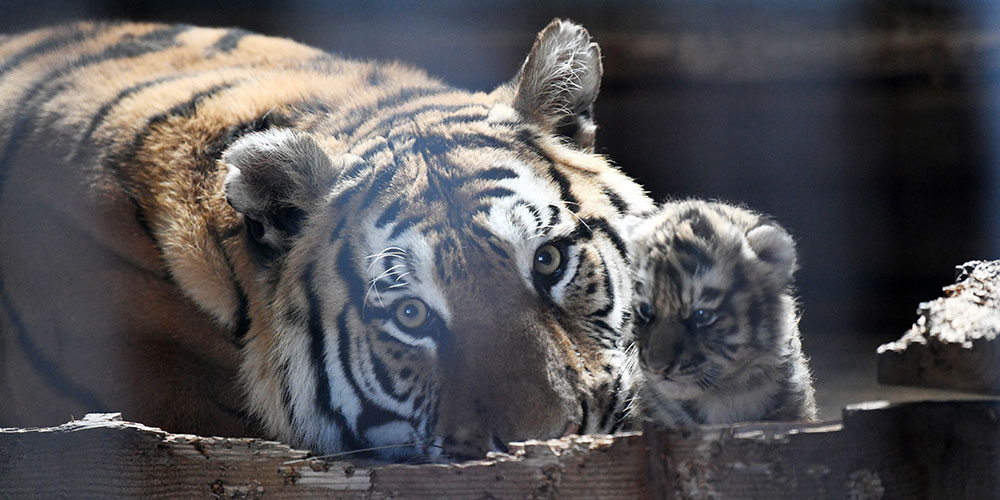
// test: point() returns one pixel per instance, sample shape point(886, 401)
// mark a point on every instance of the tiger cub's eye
point(548, 260)
point(411, 313)
point(702, 318)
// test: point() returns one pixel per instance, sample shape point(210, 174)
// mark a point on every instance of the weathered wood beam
point(942, 449)
point(953, 344)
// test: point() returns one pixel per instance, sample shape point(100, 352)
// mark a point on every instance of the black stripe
point(355, 169)
point(497, 192)
point(379, 184)
point(674, 275)
point(553, 215)
point(497, 249)
point(616, 239)
point(286, 393)
point(481, 232)
point(116, 162)
point(317, 355)
point(709, 294)
point(609, 292)
point(462, 118)
point(496, 174)
point(382, 121)
point(130, 47)
point(382, 375)
point(371, 415)
point(405, 224)
point(609, 411)
point(529, 140)
point(353, 283)
point(187, 108)
point(106, 108)
point(701, 256)
point(360, 115)
point(616, 200)
point(42, 365)
point(700, 226)
point(601, 325)
point(390, 213)
point(480, 209)
point(230, 40)
point(242, 325)
point(46, 46)
point(571, 202)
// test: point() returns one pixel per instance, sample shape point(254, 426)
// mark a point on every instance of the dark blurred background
point(869, 129)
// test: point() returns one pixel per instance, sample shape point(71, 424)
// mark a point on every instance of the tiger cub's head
point(439, 272)
point(713, 297)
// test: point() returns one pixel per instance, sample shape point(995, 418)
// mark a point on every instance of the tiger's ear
point(773, 246)
point(559, 81)
point(275, 178)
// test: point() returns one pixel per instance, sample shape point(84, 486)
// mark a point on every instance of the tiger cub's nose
point(659, 352)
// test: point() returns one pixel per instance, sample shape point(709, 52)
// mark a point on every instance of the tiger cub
point(716, 323)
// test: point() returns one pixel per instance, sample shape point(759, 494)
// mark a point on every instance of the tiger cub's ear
point(275, 177)
point(559, 81)
point(773, 246)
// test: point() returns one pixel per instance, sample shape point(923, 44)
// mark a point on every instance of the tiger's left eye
point(548, 260)
point(411, 313)
point(702, 318)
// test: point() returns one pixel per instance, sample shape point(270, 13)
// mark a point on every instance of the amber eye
point(548, 260)
point(411, 313)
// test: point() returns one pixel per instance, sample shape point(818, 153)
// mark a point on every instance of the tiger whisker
point(385, 252)
point(362, 450)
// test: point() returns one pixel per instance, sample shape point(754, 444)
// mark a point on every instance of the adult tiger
point(213, 230)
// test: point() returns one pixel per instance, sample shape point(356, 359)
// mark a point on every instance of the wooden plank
point(929, 449)
point(953, 344)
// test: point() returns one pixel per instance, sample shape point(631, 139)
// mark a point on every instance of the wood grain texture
point(913, 450)
point(953, 344)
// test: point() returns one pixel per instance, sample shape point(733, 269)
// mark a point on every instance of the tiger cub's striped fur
point(717, 330)
point(224, 233)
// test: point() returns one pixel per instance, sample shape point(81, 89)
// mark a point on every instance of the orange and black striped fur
point(219, 232)
point(717, 328)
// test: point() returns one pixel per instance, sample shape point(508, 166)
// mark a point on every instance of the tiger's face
point(709, 296)
point(446, 278)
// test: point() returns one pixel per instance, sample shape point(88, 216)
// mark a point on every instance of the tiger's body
point(224, 233)
point(717, 328)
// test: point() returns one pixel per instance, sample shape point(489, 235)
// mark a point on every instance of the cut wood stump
point(911, 450)
point(953, 345)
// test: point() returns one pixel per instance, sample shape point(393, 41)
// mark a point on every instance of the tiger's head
point(439, 272)
point(712, 296)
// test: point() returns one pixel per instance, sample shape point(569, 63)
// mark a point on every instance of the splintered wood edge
point(878, 450)
point(953, 344)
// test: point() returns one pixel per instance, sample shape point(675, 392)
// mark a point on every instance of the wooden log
point(953, 344)
point(930, 449)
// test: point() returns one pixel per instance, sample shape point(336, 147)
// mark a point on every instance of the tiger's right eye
point(411, 313)
point(548, 260)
